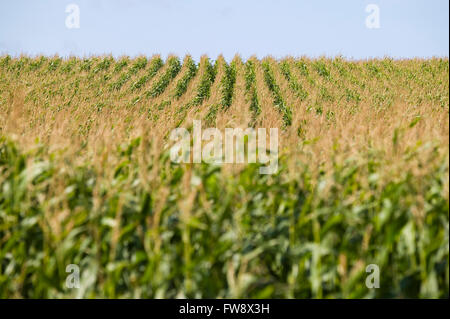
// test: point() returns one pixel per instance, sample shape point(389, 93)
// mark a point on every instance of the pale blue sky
point(413, 28)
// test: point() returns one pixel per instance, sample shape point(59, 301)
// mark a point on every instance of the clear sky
point(413, 28)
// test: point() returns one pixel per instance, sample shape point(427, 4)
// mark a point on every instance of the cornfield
point(86, 178)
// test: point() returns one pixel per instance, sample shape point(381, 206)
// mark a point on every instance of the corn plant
point(158, 88)
point(278, 100)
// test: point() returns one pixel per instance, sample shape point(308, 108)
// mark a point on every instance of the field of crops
point(86, 178)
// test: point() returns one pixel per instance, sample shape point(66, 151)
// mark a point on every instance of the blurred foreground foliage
point(196, 232)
